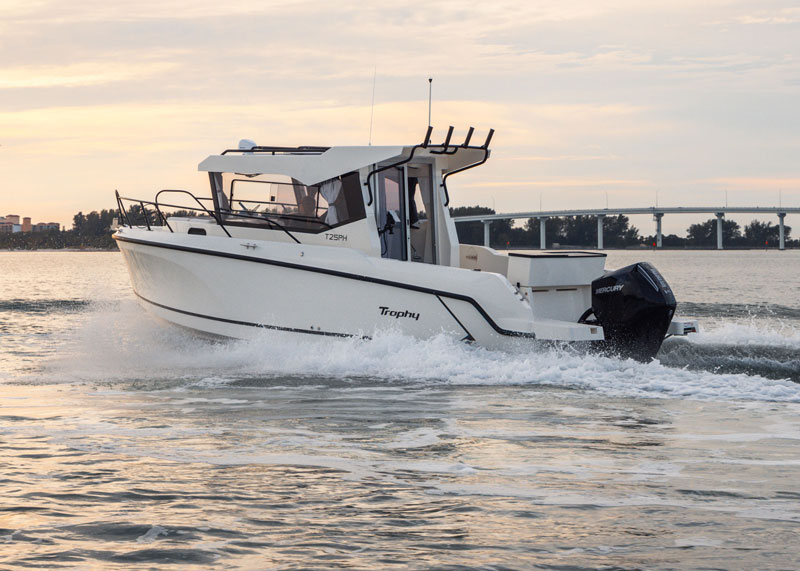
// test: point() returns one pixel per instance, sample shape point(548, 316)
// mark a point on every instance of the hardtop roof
point(313, 165)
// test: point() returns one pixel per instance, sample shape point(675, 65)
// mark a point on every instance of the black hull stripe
point(247, 323)
point(339, 274)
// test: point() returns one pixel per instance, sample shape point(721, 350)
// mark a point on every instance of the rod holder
point(427, 137)
point(469, 136)
point(488, 139)
point(449, 135)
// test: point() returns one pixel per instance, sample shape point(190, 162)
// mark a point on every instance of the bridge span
point(657, 212)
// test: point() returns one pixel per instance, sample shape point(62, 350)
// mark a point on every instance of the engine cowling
point(635, 306)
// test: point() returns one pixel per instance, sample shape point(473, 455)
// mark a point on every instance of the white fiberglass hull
point(234, 288)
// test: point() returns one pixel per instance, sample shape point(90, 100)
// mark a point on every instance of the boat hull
point(224, 287)
point(221, 287)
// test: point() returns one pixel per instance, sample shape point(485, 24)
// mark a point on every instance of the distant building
point(45, 226)
point(10, 224)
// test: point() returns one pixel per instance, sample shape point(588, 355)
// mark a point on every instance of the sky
point(620, 102)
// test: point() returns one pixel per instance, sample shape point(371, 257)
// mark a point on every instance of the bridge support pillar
point(720, 216)
point(781, 235)
point(543, 233)
point(486, 227)
point(600, 218)
point(658, 216)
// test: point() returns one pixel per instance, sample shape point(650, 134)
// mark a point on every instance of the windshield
point(256, 199)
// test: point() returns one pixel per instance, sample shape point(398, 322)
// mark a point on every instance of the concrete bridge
point(657, 213)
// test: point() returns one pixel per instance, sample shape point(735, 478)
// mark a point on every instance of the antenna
point(372, 108)
point(430, 98)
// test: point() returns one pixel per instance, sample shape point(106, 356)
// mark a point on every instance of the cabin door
point(393, 213)
point(421, 208)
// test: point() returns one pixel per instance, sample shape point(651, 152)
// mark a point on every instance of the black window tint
point(351, 191)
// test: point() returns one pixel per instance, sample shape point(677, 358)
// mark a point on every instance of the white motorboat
point(346, 241)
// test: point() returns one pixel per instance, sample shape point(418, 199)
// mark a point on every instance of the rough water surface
point(128, 444)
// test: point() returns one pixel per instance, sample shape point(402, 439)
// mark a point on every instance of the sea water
point(125, 443)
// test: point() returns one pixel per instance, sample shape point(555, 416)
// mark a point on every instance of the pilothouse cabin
point(389, 201)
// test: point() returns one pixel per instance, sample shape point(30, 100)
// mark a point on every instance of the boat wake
point(119, 343)
point(750, 349)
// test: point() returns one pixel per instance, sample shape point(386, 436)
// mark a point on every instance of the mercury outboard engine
point(634, 305)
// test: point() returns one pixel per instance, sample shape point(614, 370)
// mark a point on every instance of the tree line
point(581, 231)
point(89, 231)
point(92, 230)
point(754, 235)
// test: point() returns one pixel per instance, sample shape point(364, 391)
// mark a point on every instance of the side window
point(344, 199)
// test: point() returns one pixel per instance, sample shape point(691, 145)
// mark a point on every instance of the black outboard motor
point(634, 305)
